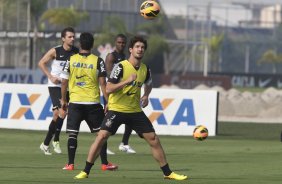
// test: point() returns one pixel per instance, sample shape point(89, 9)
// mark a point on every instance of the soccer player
point(57, 56)
point(82, 75)
point(125, 106)
point(113, 58)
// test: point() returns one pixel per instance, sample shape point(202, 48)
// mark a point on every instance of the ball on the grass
point(200, 133)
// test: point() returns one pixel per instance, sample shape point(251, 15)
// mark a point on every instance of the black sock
point(103, 154)
point(126, 135)
point(88, 167)
point(59, 124)
point(50, 133)
point(72, 145)
point(166, 170)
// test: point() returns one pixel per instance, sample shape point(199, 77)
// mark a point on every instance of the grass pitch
point(242, 153)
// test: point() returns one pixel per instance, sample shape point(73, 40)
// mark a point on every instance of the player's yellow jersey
point(83, 78)
point(127, 99)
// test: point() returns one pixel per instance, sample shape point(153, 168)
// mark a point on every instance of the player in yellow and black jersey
point(83, 74)
point(111, 60)
point(125, 106)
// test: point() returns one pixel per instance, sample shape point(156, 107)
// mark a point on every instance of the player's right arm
point(114, 84)
point(48, 57)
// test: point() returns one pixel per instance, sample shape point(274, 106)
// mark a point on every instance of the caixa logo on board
point(17, 106)
point(22, 105)
point(183, 112)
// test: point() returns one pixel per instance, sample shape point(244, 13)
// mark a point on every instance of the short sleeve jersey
point(127, 99)
point(58, 63)
point(83, 72)
point(118, 57)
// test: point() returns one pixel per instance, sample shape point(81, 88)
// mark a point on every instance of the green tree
point(7, 13)
point(271, 57)
point(63, 17)
point(153, 31)
point(157, 44)
point(112, 26)
point(214, 45)
point(37, 7)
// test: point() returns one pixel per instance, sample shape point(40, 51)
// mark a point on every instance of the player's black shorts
point(56, 95)
point(138, 121)
point(93, 114)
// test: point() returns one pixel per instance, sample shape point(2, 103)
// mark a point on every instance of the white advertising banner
point(172, 111)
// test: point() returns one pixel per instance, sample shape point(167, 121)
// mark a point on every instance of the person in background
point(57, 56)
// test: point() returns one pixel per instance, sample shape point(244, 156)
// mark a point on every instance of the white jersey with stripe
point(58, 63)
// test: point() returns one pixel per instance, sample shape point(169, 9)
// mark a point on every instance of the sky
point(223, 11)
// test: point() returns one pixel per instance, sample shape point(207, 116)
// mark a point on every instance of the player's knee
point(150, 137)
point(103, 135)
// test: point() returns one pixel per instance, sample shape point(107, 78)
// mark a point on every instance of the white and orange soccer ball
point(200, 133)
point(150, 9)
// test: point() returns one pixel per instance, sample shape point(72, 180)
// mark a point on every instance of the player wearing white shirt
point(57, 56)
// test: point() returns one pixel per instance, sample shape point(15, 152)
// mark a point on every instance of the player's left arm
point(148, 85)
point(109, 61)
point(102, 78)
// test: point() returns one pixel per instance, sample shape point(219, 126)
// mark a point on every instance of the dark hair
point(67, 29)
point(137, 39)
point(86, 41)
point(120, 36)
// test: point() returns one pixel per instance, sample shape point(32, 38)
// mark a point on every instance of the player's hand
point(144, 101)
point(131, 78)
point(64, 105)
point(55, 80)
point(62, 113)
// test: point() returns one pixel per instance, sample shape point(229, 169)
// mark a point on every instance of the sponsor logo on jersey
point(116, 72)
point(79, 77)
point(82, 65)
point(102, 66)
point(129, 94)
point(80, 83)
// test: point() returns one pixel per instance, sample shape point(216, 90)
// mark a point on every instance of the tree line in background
point(228, 50)
point(234, 49)
point(63, 17)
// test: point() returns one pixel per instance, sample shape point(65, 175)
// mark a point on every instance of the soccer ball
point(200, 133)
point(149, 9)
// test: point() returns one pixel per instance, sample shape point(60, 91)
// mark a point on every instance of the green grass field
point(242, 153)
